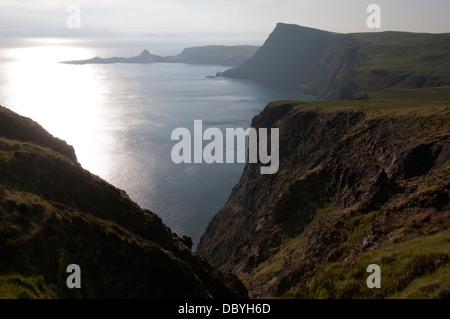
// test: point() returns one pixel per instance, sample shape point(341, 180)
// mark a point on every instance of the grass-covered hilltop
point(53, 213)
point(362, 180)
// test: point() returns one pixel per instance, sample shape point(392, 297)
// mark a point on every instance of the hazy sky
point(227, 18)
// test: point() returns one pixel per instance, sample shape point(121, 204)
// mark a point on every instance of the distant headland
point(210, 55)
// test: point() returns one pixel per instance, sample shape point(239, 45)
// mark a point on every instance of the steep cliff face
point(354, 177)
point(312, 60)
point(348, 66)
point(53, 213)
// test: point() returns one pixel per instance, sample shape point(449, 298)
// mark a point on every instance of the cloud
point(232, 17)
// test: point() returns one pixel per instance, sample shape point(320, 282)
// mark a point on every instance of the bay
point(120, 117)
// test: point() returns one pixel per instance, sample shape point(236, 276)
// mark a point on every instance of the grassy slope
point(53, 213)
point(418, 268)
point(399, 60)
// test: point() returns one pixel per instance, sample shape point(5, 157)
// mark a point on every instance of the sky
point(252, 19)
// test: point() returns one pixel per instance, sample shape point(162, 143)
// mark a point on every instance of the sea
point(120, 117)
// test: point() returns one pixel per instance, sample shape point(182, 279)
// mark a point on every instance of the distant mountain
point(348, 66)
point(208, 55)
point(53, 213)
point(144, 57)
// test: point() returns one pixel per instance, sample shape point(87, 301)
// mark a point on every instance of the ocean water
point(120, 117)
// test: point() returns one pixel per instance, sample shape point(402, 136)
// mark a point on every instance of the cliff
point(53, 213)
point(359, 182)
point(348, 66)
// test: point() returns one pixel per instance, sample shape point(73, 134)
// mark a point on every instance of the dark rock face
point(54, 213)
point(339, 171)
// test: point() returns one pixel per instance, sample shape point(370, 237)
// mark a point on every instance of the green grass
point(417, 268)
point(9, 149)
point(20, 287)
point(430, 120)
point(400, 60)
point(355, 224)
point(376, 108)
point(432, 285)
point(423, 95)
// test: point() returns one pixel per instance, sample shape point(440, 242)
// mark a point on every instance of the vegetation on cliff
point(53, 213)
point(360, 182)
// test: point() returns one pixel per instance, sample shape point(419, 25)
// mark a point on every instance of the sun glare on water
point(65, 99)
